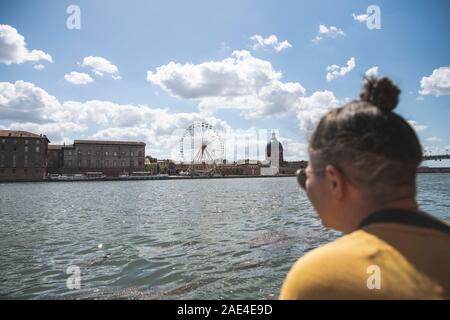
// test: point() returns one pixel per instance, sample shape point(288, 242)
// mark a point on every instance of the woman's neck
point(361, 213)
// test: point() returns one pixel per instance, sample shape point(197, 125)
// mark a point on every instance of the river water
point(168, 239)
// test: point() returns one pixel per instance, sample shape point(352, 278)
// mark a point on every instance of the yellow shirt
point(383, 260)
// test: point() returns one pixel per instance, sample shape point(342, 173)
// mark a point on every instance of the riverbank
point(171, 178)
point(146, 178)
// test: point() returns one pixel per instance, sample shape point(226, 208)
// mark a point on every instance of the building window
point(88, 163)
point(14, 162)
point(37, 148)
point(123, 153)
point(106, 163)
point(69, 163)
point(13, 170)
point(89, 152)
point(132, 153)
point(38, 141)
point(115, 163)
point(3, 147)
point(2, 160)
point(123, 163)
point(3, 140)
point(15, 141)
point(79, 152)
point(131, 163)
point(26, 148)
point(97, 153)
point(25, 161)
point(26, 141)
point(140, 153)
point(115, 153)
point(140, 163)
point(79, 163)
point(25, 170)
point(97, 163)
point(69, 152)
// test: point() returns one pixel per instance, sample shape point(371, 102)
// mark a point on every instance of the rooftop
point(109, 142)
point(55, 146)
point(20, 134)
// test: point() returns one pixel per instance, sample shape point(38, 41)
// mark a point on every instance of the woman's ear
point(336, 181)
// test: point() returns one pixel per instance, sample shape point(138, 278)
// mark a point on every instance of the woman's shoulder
point(329, 268)
point(342, 250)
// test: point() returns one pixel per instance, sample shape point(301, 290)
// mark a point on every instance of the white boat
point(76, 177)
point(143, 176)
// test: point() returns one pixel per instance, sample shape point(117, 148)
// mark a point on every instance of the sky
point(146, 70)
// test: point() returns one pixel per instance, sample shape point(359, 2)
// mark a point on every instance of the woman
point(361, 180)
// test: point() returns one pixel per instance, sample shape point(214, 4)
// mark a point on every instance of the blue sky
point(140, 36)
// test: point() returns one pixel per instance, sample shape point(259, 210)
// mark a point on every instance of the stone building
point(291, 167)
point(55, 158)
point(249, 167)
point(23, 156)
point(109, 157)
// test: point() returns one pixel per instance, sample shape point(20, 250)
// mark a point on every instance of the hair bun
point(382, 93)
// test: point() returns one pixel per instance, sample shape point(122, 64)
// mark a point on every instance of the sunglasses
point(301, 178)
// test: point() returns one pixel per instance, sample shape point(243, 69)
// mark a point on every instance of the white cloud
point(57, 132)
point(312, 108)
point(13, 48)
point(438, 83)
point(330, 32)
point(23, 101)
point(416, 126)
point(360, 17)
point(240, 82)
point(78, 78)
point(282, 45)
point(39, 67)
point(433, 139)
point(27, 107)
point(100, 66)
point(246, 83)
point(372, 72)
point(270, 41)
point(334, 71)
point(294, 150)
point(420, 98)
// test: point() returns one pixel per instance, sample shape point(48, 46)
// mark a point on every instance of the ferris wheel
point(201, 144)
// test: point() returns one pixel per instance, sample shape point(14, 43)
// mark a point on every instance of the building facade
point(112, 158)
point(23, 156)
point(55, 158)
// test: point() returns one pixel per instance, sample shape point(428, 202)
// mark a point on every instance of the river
point(168, 239)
